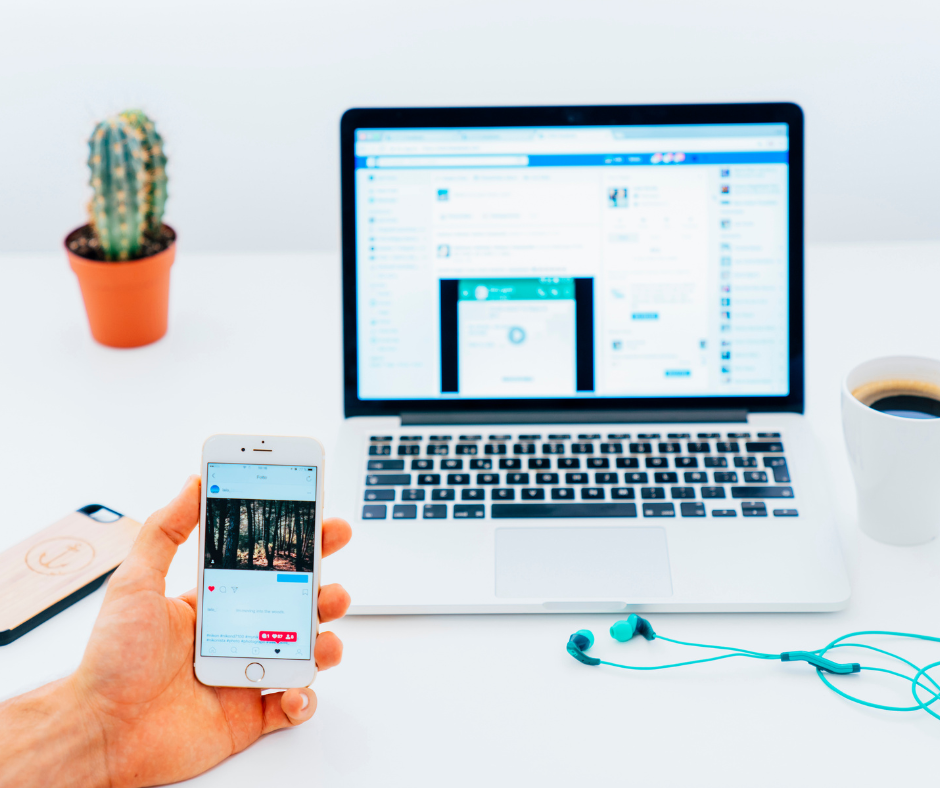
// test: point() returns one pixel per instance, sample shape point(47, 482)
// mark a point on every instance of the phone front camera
point(243, 450)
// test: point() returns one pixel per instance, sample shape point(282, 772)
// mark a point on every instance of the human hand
point(146, 716)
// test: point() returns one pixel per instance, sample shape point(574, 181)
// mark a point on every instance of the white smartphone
point(259, 561)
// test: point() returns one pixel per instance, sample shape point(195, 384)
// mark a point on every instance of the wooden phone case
point(51, 570)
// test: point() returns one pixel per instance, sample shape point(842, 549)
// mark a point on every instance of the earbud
point(580, 642)
point(634, 625)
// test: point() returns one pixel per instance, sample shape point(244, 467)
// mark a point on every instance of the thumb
point(164, 531)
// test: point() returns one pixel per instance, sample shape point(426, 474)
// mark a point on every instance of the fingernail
point(305, 701)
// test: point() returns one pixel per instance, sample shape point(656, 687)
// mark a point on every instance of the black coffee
point(908, 406)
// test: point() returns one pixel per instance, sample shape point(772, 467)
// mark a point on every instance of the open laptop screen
point(572, 262)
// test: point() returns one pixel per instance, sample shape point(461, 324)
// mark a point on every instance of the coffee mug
point(891, 421)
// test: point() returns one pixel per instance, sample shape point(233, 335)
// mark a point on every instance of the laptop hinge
point(676, 416)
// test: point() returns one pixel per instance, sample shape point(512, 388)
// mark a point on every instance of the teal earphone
point(625, 630)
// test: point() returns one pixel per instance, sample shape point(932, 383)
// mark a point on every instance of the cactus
point(154, 164)
point(128, 175)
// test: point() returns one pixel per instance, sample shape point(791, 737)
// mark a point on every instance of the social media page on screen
point(625, 261)
point(258, 584)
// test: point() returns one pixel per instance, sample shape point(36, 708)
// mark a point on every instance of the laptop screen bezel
point(470, 117)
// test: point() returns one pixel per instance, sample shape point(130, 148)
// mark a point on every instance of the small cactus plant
point(128, 175)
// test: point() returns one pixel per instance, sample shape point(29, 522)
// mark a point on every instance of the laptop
point(573, 343)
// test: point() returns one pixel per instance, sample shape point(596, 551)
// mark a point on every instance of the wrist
point(50, 736)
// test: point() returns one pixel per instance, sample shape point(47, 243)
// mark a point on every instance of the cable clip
point(820, 662)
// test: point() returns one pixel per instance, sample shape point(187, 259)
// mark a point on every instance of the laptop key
point(380, 495)
point(374, 511)
point(451, 465)
point(523, 448)
point(699, 447)
point(406, 449)
point(458, 478)
point(726, 477)
point(579, 509)
point(500, 437)
point(692, 509)
point(739, 435)
point(598, 462)
point(652, 493)
point(472, 494)
point(618, 436)
point(440, 438)
point(779, 467)
point(648, 436)
point(495, 448)
point(429, 478)
point(592, 493)
point(412, 495)
point(750, 510)
point(569, 462)
point(695, 477)
point(437, 449)
point(487, 478)
point(466, 448)
point(768, 434)
point(543, 478)
point(576, 478)
point(718, 462)
point(657, 462)
point(559, 437)
point(386, 465)
point(628, 462)
point(669, 448)
point(724, 513)
point(530, 437)
point(539, 463)
point(659, 510)
point(381, 438)
point(677, 436)
point(605, 478)
point(562, 493)
point(755, 477)
point(404, 511)
point(709, 435)
point(434, 511)
point(517, 478)
point(464, 511)
point(745, 462)
point(380, 450)
point(611, 448)
point(636, 478)
point(532, 493)
point(420, 465)
point(553, 448)
point(622, 492)
point(503, 494)
point(511, 465)
point(713, 492)
point(764, 447)
point(666, 477)
point(381, 479)
point(729, 447)
point(762, 492)
point(682, 492)
point(481, 465)
point(785, 513)
point(582, 448)
point(641, 448)
point(443, 495)
point(689, 462)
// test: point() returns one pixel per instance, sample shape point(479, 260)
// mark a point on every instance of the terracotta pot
point(126, 302)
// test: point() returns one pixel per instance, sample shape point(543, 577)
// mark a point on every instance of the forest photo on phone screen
point(243, 533)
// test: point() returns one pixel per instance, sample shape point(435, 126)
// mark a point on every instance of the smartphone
point(54, 568)
point(259, 567)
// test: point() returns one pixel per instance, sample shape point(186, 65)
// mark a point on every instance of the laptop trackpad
point(582, 563)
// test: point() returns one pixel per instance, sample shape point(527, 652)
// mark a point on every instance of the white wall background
point(248, 95)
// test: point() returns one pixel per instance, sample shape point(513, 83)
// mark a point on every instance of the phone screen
point(258, 586)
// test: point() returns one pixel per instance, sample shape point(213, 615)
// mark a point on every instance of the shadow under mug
point(895, 460)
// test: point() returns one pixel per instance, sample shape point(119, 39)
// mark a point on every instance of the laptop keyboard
point(544, 475)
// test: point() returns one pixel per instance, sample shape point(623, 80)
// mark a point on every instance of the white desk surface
point(254, 346)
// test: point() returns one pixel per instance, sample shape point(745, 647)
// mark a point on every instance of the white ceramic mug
point(895, 460)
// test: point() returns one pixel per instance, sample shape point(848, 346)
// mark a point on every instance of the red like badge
point(277, 637)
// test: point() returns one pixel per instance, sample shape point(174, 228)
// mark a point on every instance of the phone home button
point(254, 672)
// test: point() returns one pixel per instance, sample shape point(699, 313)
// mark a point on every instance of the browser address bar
point(448, 161)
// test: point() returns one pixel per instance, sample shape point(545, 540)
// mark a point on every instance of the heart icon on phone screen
point(212, 588)
point(277, 651)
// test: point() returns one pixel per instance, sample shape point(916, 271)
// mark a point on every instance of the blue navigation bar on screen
point(447, 161)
